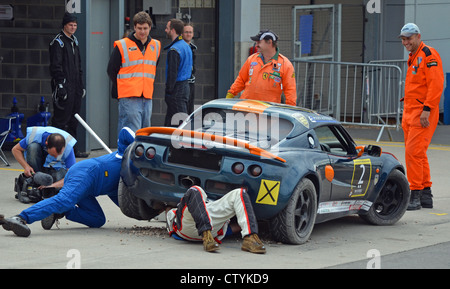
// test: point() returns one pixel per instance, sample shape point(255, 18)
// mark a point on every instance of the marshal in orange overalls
point(423, 90)
point(266, 81)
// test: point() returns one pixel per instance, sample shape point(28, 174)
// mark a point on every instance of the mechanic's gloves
point(61, 93)
point(229, 95)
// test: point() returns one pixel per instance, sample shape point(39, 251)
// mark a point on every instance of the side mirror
point(374, 151)
point(371, 150)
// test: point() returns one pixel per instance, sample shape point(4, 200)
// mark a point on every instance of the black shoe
point(48, 222)
point(426, 199)
point(79, 154)
point(414, 202)
point(2, 219)
point(17, 225)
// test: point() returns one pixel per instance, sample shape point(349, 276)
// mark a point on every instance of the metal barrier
point(353, 93)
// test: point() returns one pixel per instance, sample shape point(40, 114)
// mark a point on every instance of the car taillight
point(139, 151)
point(150, 153)
point(238, 168)
point(255, 170)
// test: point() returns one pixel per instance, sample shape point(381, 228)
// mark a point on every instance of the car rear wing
point(254, 150)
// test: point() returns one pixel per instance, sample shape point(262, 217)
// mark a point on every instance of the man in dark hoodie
point(132, 69)
point(67, 78)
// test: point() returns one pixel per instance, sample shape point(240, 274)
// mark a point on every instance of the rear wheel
point(132, 206)
point(392, 201)
point(294, 224)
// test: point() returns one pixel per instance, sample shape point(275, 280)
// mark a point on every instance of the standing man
point(423, 89)
point(267, 74)
point(132, 69)
point(178, 71)
point(67, 78)
point(188, 35)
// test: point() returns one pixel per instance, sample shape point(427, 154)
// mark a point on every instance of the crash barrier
point(362, 94)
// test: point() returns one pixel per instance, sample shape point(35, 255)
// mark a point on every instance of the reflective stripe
point(32, 135)
point(137, 74)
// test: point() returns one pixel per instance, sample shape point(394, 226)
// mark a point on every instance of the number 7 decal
point(362, 174)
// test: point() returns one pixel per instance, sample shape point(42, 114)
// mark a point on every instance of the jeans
point(135, 113)
point(35, 157)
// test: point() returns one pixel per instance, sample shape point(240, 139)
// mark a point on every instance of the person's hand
point(229, 95)
point(424, 119)
point(28, 171)
point(61, 94)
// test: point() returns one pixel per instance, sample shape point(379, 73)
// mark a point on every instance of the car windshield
point(258, 129)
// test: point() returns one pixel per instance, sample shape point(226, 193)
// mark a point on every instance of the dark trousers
point(177, 103)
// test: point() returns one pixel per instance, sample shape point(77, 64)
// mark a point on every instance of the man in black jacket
point(67, 82)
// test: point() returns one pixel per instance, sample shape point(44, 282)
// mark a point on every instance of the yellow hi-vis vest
point(136, 77)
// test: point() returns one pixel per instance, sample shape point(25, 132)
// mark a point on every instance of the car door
point(353, 174)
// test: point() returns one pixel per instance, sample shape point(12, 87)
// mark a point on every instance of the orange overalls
point(266, 81)
point(423, 90)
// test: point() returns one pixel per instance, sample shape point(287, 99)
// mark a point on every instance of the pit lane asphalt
point(418, 240)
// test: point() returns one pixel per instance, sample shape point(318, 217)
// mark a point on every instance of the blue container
point(41, 118)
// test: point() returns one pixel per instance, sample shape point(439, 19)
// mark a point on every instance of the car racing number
point(362, 174)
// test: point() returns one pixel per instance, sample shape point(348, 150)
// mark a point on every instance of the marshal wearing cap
point(266, 35)
point(409, 30)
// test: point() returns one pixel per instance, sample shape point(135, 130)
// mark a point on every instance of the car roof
point(303, 118)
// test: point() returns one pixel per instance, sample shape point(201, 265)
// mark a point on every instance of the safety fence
point(363, 94)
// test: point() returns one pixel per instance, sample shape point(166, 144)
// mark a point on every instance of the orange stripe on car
point(254, 150)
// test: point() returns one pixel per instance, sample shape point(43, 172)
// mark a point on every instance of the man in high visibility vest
point(132, 69)
point(423, 90)
point(47, 149)
point(267, 74)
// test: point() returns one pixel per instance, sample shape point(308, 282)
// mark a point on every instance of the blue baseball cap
point(409, 30)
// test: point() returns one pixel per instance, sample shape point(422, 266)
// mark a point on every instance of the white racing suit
point(194, 215)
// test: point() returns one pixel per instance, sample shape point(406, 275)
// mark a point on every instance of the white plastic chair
point(3, 137)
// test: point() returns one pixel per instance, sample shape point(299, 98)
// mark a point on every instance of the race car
point(298, 166)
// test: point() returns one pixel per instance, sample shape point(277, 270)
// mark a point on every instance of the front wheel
point(294, 224)
point(391, 204)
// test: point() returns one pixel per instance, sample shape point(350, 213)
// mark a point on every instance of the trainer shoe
point(47, 223)
point(253, 244)
point(2, 219)
point(17, 225)
point(209, 244)
point(426, 199)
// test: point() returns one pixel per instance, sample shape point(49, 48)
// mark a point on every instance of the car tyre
point(294, 224)
point(133, 207)
point(391, 203)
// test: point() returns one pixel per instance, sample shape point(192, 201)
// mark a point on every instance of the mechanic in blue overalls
point(77, 199)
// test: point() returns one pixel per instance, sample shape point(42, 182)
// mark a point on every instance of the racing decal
point(301, 118)
point(268, 193)
point(362, 174)
point(343, 206)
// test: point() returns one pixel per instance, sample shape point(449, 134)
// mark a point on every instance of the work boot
point(17, 225)
point(426, 199)
point(414, 201)
point(253, 244)
point(209, 244)
point(48, 222)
